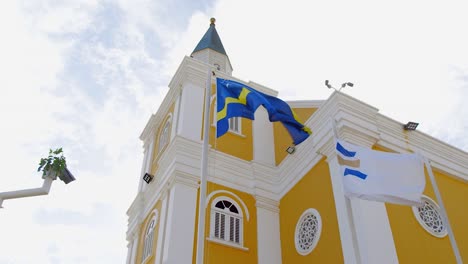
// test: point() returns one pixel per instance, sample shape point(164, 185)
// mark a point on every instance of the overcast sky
point(87, 75)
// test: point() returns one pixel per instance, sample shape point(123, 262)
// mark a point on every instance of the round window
point(308, 230)
point(430, 217)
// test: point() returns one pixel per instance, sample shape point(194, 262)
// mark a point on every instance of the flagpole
point(204, 169)
point(456, 252)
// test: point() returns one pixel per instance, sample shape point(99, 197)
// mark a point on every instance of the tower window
point(164, 136)
point(149, 238)
point(235, 124)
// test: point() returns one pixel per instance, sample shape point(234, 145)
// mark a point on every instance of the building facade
point(267, 206)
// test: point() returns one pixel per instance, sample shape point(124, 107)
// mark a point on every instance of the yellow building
point(265, 205)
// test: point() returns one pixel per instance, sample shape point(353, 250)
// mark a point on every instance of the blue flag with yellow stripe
point(238, 100)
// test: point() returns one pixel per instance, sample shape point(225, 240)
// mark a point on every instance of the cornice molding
point(306, 103)
point(267, 204)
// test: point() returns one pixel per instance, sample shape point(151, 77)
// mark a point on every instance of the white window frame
point(164, 135)
point(228, 217)
point(235, 125)
point(149, 237)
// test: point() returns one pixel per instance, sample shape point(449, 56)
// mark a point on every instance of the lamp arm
point(44, 190)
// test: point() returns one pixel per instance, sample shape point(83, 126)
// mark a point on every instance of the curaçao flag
point(238, 100)
point(381, 176)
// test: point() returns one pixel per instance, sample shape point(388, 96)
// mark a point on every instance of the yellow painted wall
point(217, 253)
point(240, 146)
point(314, 190)
point(282, 138)
point(416, 245)
point(142, 231)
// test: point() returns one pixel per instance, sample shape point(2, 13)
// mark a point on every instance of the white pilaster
point(373, 232)
point(268, 231)
point(134, 249)
point(343, 213)
point(129, 252)
point(180, 227)
point(370, 220)
point(263, 141)
point(162, 230)
point(190, 122)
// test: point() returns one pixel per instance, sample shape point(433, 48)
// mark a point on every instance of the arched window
point(164, 136)
point(226, 221)
point(149, 238)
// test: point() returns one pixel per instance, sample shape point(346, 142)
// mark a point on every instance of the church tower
point(267, 205)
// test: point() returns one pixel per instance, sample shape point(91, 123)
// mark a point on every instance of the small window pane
point(222, 226)
point(233, 209)
point(220, 205)
point(231, 228)
point(216, 225)
point(227, 204)
point(234, 124)
point(237, 240)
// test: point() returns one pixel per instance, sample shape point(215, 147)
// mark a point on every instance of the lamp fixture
point(291, 149)
point(410, 126)
point(327, 83)
point(148, 177)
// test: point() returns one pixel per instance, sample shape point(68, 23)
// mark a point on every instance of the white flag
point(381, 176)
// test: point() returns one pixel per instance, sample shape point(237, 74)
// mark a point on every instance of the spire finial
point(212, 21)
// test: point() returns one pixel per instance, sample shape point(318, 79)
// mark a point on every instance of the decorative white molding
point(226, 243)
point(267, 204)
point(306, 103)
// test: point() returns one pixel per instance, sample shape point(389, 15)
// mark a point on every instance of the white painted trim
point(244, 207)
point(306, 103)
point(129, 252)
point(134, 249)
point(226, 243)
point(161, 231)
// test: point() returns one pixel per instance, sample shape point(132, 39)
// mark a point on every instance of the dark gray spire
point(211, 40)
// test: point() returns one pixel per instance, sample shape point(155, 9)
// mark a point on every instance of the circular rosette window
point(430, 218)
point(308, 230)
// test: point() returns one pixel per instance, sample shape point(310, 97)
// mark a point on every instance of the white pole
point(444, 213)
point(44, 190)
point(204, 169)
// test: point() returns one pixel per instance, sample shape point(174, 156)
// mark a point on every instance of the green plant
point(55, 162)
